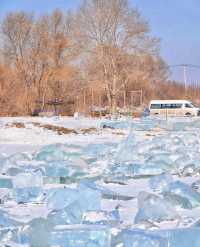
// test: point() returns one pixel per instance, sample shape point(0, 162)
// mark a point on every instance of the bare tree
point(114, 34)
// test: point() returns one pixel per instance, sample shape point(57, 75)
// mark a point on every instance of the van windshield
point(189, 105)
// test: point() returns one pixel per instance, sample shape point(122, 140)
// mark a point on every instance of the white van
point(173, 108)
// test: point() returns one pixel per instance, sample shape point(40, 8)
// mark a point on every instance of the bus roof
point(169, 101)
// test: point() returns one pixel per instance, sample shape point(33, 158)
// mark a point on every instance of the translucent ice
point(139, 238)
point(125, 150)
point(6, 221)
point(101, 217)
point(154, 209)
point(6, 182)
point(61, 198)
point(81, 236)
point(90, 198)
point(39, 231)
point(150, 169)
point(183, 190)
point(97, 150)
point(158, 183)
point(177, 200)
point(53, 152)
point(72, 169)
point(27, 187)
point(182, 237)
point(72, 214)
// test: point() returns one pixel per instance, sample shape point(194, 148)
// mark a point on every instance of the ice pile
point(142, 191)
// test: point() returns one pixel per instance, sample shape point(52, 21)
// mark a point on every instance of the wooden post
point(124, 99)
point(100, 103)
point(92, 102)
point(84, 100)
point(141, 97)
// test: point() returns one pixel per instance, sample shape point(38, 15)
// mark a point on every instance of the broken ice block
point(72, 214)
point(81, 236)
point(53, 152)
point(6, 182)
point(154, 209)
point(97, 150)
point(6, 221)
point(111, 218)
point(184, 237)
point(177, 200)
point(185, 191)
point(158, 183)
point(27, 187)
point(61, 198)
point(150, 169)
point(139, 238)
point(125, 150)
point(90, 198)
point(12, 161)
point(39, 232)
point(72, 169)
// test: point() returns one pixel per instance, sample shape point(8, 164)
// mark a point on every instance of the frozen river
point(84, 182)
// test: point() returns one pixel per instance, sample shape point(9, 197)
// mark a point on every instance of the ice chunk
point(150, 169)
point(158, 183)
point(97, 150)
point(153, 208)
point(6, 182)
point(72, 214)
point(61, 198)
point(72, 169)
point(13, 171)
point(13, 161)
point(53, 152)
point(139, 238)
point(81, 236)
point(105, 192)
point(27, 187)
point(196, 185)
point(125, 150)
point(185, 191)
point(90, 198)
point(101, 217)
point(39, 232)
point(6, 221)
point(177, 201)
point(182, 237)
point(189, 170)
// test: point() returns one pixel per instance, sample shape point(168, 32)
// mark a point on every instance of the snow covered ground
point(135, 181)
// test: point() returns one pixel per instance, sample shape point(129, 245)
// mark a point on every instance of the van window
point(155, 106)
point(166, 106)
point(188, 105)
point(171, 106)
point(175, 106)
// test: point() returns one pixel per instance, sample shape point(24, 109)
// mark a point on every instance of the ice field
point(107, 183)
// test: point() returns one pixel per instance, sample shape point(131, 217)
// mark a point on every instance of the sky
point(175, 22)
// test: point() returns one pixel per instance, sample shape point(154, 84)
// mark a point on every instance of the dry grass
point(16, 125)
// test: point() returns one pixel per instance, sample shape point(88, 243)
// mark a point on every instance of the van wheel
point(188, 114)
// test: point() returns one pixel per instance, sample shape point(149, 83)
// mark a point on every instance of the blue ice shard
point(154, 209)
point(183, 190)
point(28, 187)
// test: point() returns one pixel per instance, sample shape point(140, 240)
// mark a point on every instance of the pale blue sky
point(176, 22)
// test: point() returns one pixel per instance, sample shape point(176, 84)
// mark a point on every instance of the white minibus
point(173, 108)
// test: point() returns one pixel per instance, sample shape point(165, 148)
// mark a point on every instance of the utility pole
point(185, 78)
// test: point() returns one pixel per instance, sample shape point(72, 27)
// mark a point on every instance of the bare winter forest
point(97, 55)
